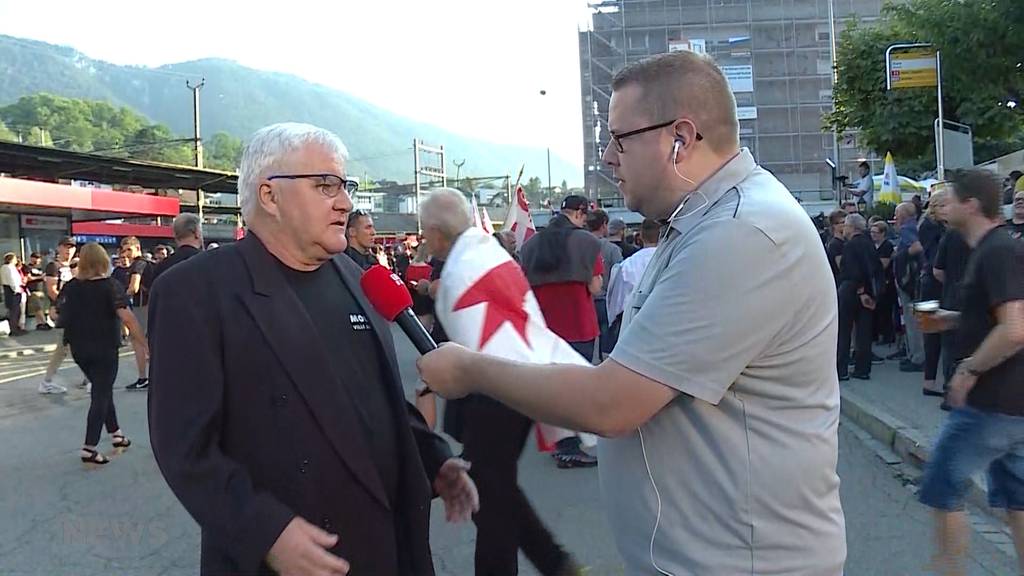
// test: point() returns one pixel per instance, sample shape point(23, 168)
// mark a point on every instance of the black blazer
point(249, 431)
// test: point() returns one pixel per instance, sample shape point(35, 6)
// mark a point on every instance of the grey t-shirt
point(612, 255)
point(737, 311)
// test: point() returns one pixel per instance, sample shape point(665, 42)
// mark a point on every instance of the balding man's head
point(905, 212)
point(686, 85)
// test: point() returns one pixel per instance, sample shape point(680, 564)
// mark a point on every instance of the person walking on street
point(56, 274)
point(563, 265)
point(986, 427)
point(91, 308)
point(138, 297)
point(37, 303)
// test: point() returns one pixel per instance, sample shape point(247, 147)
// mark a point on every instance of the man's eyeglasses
point(618, 138)
point(330, 185)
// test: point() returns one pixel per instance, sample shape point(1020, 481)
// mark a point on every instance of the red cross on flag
point(485, 304)
point(519, 220)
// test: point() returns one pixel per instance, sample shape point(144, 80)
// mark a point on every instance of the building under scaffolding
point(776, 55)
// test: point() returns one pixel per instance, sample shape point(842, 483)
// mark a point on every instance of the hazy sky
point(503, 53)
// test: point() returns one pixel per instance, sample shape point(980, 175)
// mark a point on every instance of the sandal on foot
point(120, 441)
point(93, 457)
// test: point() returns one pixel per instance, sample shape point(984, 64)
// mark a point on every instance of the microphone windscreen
point(386, 292)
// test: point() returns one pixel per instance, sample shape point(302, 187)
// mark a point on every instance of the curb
point(27, 351)
point(907, 442)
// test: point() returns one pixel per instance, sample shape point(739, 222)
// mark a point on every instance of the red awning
point(82, 204)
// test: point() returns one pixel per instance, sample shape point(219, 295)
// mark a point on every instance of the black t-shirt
point(342, 324)
point(437, 331)
point(627, 249)
point(930, 232)
point(885, 249)
point(952, 260)
point(365, 261)
point(861, 267)
point(121, 274)
point(138, 266)
point(994, 276)
point(61, 271)
point(28, 270)
point(1016, 230)
point(88, 313)
point(834, 251)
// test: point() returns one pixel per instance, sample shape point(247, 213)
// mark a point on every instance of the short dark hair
point(839, 215)
point(596, 218)
point(35, 255)
point(981, 185)
point(1015, 175)
point(865, 165)
point(353, 218)
point(650, 230)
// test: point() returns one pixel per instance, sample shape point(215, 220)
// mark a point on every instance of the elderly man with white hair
point(860, 285)
point(493, 437)
point(277, 413)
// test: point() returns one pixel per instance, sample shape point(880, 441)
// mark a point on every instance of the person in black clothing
point(834, 246)
point(138, 296)
point(91, 308)
point(986, 427)
point(120, 272)
point(493, 437)
point(885, 311)
point(859, 286)
point(930, 231)
point(950, 265)
point(361, 234)
point(277, 413)
point(188, 235)
point(616, 232)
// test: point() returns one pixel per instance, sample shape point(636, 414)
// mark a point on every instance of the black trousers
point(101, 371)
point(12, 301)
point(853, 317)
point(494, 437)
point(949, 350)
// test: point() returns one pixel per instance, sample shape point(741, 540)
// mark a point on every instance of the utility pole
point(195, 88)
point(835, 78)
point(458, 171)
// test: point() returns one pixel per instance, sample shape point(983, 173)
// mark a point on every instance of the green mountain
point(238, 100)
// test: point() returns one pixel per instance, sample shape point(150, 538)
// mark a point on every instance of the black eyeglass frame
point(350, 186)
point(617, 138)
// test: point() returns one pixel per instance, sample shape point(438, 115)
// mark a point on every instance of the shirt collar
point(727, 177)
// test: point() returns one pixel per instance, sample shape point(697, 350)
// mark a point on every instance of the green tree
point(982, 50)
point(565, 185)
point(222, 152)
point(534, 190)
point(6, 133)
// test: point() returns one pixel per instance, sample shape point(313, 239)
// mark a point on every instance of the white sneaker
point(51, 388)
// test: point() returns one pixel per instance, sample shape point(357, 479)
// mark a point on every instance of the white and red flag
point(519, 220)
point(485, 304)
point(485, 221)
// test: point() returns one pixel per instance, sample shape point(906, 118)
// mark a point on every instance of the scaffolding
point(775, 54)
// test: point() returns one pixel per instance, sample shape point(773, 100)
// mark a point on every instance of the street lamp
point(544, 93)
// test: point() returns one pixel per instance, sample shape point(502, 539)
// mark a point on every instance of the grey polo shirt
point(737, 310)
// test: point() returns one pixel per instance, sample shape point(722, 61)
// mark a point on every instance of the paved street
point(56, 517)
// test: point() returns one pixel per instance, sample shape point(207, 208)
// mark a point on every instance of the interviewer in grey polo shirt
point(719, 406)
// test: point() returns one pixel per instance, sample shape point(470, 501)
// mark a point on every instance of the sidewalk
point(891, 408)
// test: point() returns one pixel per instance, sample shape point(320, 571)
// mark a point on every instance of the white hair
point(447, 210)
point(857, 222)
point(267, 149)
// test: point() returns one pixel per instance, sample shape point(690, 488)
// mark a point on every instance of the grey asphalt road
point(58, 518)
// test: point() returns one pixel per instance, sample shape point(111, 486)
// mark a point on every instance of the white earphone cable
point(657, 494)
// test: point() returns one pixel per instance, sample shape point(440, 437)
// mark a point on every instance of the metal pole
point(416, 179)
point(940, 154)
point(550, 189)
point(198, 140)
point(835, 79)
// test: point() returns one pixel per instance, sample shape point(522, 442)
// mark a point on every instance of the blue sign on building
point(84, 238)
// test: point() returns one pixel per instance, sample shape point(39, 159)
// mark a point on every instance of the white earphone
point(679, 143)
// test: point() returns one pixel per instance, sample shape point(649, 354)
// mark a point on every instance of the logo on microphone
point(359, 322)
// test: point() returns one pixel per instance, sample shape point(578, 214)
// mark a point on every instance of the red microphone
point(391, 299)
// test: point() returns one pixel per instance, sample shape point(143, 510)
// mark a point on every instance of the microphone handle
point(415, 331)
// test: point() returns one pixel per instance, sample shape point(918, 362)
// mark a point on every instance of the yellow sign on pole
point(912, 68)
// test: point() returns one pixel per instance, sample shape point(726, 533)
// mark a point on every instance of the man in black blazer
point(276, 411)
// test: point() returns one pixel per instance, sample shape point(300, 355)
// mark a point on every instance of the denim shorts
point(971, 441)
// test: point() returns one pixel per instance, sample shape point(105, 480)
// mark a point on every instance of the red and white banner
point(519, 220)
point(485, 221)
point(485, 304)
